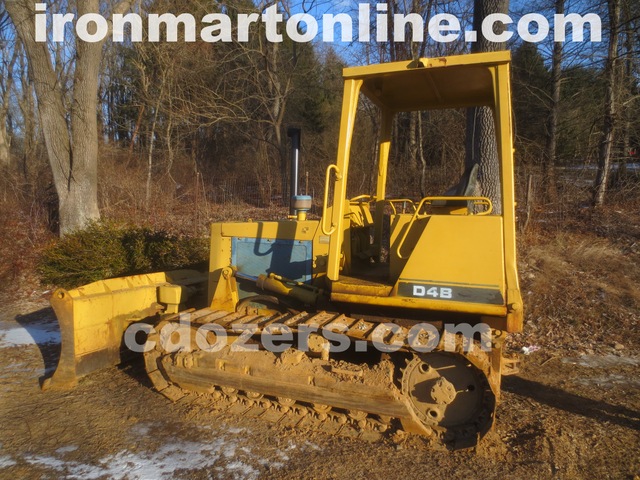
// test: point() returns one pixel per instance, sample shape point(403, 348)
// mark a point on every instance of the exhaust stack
point(299, 205)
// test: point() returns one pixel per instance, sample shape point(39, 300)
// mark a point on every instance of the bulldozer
point(382, 312)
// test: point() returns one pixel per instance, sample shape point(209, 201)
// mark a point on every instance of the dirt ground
point(561, 417)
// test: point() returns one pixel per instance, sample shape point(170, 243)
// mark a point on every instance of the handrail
point(428, 201)
point(326, 199)
point(406, 232)
point(390, 201)
point(485, 201)
point(359, 198)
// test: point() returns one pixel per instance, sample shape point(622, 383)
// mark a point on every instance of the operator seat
point(466, 187)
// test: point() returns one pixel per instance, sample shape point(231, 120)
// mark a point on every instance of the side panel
point(458, 259)
point(291, 259)
point(454, 263)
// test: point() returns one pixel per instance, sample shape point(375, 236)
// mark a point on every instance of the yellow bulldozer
point(384, 311)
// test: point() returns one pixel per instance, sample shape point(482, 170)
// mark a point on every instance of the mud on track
point(576, 417)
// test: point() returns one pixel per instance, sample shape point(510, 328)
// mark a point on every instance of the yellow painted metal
point(420, 304)
point(384, 147)
point(94, 317)
point(170, 295)
point(359, 213)
point(449, 244)
point(406, 203)
point(283, 230)
point(429, 83)
point(505, 147)
point(405, 230)
point(219, 257)
point(347, 123)
point(225, 295)
point(325, 201)
point(307, 294)
point(444, 253)
point(458, 250)
point(476, 201)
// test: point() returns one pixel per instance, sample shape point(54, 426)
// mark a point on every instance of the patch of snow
point(283, 455)
point(68, 449)
point(51, 462)
point(6, 462)
point(242, 469)
point(222, 454)
point(602, 361)
point(608, 381)
point(292, 446)
point(162, 463)
point(530, 349)
point(235, 430)
point(143, 429)
point(310, 445)
point(35, 334)
point(229, 450)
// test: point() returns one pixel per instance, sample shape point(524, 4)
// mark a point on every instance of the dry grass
point(181, 202)
point(22, 238)
point(581, 284)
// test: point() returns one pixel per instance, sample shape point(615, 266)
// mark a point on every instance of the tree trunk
point(481, 144)
point(549, 161)
point(5, 134)
point(50, 107)
point(72, 152)
point(629, 92)
point(417, 161)
point(423, 160)
point(136, 129)
point(604, 153)
point(5, 144)
point(413, 141)
point(79, 201)
point(152, 138)
point(27, 109)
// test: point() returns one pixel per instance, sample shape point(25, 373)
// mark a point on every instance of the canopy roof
point(431, 83)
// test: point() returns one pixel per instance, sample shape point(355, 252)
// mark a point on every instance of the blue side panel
point(289, 258)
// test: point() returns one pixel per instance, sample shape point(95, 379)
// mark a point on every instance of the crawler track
point(449, 397)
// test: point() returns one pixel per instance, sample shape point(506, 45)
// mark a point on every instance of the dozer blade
point(94, 317)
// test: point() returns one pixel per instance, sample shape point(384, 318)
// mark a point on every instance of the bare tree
point(6, 88)
point(604, 153)
point(71, 135)
point(8, 57)
point(549, 159)
point(27, 106)
point(628, 87)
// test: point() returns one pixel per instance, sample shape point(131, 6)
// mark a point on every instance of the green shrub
point(106, 250)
